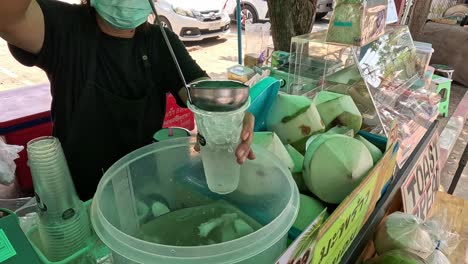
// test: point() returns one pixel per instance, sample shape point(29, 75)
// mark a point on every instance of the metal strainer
point(209, 95)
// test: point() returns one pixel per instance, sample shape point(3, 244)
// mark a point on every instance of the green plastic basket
point(80, 257)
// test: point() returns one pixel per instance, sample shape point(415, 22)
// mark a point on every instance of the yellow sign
point(337, 239)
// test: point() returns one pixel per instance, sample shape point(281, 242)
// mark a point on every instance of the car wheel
point(249, 15)
point(165, 23)
point(320, 15)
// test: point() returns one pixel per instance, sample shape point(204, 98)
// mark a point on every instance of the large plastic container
point(171, 173)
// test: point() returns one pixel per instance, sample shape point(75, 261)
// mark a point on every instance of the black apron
point(105, 127)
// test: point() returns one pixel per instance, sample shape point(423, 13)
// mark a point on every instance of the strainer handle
point(171, 51)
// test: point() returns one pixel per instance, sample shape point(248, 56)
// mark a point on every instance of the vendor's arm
point(42, 32)
point(22, 24)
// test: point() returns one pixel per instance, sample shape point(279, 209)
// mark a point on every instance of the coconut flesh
point(334, 166)
point(294, 118)
point(335, 108)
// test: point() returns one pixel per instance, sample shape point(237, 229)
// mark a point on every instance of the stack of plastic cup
point(219, 136)
point(63, 220)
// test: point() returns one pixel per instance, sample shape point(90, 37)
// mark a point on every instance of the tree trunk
point(421, 9)
point(290, 18)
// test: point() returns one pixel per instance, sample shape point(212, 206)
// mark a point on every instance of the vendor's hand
point(243, 151)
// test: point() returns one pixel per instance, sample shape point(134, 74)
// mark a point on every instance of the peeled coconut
point(375, 152)
point(294, 118)
point(342, 130)
point(309, 209)
point(405, 232)
point(298, 160)
point(338, 108)
point(272, 143)
point(397, 257)
point(334, 165)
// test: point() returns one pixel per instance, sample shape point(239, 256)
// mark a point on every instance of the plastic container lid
point(423, 47)
point(173, 170)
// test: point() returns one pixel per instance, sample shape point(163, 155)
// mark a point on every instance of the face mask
point(123, 14)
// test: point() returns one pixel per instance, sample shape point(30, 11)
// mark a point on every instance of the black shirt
point(122, 107)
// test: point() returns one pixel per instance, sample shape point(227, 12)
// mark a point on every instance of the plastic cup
point(424, 53)
point(63, 221)
point(219, 136)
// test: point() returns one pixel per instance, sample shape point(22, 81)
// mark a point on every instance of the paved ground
point(213, 55)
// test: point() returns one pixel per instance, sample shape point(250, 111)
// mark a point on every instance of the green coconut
point(294, 118)
point(397, 257)
point(309, 209)
point(298, 160)
point(375, 152)
point(342, 130)
point(272, 143)
point(335, 108)
point(334, 165)
point(405, 232)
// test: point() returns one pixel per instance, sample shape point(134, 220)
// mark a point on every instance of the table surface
point(456, 211)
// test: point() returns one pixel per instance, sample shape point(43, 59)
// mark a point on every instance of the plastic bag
point(437, 257)
point(405, 232)
point(8, 154)
point(445, 241)
point(397, 257)
point(431, 240)
point(257, 39)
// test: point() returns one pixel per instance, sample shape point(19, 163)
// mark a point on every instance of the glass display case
point(378, 76)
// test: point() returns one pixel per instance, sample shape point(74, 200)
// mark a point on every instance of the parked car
point(254, 11)
point(193, 20)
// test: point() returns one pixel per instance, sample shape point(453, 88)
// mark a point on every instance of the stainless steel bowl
point(219, 96)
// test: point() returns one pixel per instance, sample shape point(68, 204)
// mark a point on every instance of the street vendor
point(109, 71)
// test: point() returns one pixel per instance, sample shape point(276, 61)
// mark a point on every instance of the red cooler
point(25, 115)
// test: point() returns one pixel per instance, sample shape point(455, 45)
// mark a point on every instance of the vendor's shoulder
point(63, 8)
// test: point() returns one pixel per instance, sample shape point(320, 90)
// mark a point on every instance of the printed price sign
point(331, 247)
point(419, 189)
point(6, 249)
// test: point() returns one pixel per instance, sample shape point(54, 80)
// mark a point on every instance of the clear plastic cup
point(219, 136)
point(63, 220)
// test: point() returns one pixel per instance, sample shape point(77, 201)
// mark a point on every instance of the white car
point(254, 11)
point(193, 20)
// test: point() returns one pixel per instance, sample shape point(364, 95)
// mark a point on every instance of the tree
point(290, 18)
point(421, 9)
